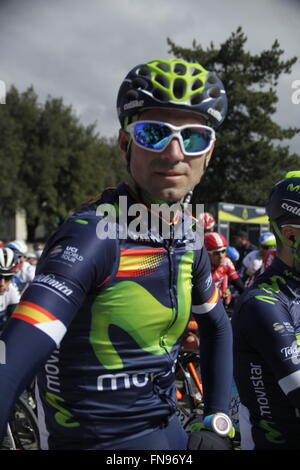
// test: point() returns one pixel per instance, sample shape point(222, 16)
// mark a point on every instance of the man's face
point(4, 284)
point(168, 175)
point(217, 258)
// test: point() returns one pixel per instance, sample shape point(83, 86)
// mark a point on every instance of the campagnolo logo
point(133, 104)
point(216, 114)
point(50, 280)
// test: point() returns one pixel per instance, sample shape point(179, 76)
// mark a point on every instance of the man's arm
point(72, 264)
point(215, 339)
point(266, 324)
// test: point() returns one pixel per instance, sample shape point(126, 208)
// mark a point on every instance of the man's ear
point(123, 142)
point(289, 235)
point(208, 156)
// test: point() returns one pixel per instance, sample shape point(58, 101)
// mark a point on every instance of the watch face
point(221, 424)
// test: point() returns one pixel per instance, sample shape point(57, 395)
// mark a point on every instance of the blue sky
point(81, 51)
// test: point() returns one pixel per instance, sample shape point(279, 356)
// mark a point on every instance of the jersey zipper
point(173, 291)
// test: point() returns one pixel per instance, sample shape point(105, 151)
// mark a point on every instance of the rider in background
point(254, 261)
point(208, 221)
point(243, 245)
point(223, 270)
point(9, 294)
point(25, 271)
point(266, 328)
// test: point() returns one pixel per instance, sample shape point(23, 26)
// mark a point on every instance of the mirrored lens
point(195, 140)
point(152, 135)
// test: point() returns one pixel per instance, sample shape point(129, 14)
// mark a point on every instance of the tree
point(246, 160)
point(51, 163)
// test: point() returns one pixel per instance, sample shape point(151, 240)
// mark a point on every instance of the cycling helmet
point(284, 201)
point(8, 261)
point(283, 207)
point(232, 253)
point(207, 220)
point(214, 241)
point(267, 239)
point(19, 246)
point(172, 83)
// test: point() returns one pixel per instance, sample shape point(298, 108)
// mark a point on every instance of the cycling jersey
point(266, 328)
point(102, 324)
point(252, 262)
point(224, 273)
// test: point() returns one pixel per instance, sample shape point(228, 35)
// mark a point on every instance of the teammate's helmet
point(284, 201)
point(208, 221)
point(172, 83)
point(233, 253)
point(19, 246)
point(214, 241)
point(267, 239)
point(8, 262)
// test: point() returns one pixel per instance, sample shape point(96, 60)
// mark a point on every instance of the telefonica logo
point(2, 92)
point(292, 187)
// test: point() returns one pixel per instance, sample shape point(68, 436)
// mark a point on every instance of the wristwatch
point(220, 423)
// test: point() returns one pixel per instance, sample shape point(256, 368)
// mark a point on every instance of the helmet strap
point(293, 248)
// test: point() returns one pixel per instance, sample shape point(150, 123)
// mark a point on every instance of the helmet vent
point(139, 83)
point(197, 99)
point(197, 84)
point(212, 79)
point(180, 69)
point(179, 88)
point(194, 71)
point(219, 106)
point(214, 92)
point(163, 66)
point(160, 95)
point(162, 80)
point(132, 95)
point(144, 70)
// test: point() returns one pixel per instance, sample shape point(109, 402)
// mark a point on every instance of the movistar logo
point(292, 187)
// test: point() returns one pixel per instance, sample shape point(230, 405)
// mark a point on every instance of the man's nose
point(173, 150)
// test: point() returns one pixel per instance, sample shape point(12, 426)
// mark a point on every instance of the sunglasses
point(6, 278)
point(195, 139)
point(218, 252)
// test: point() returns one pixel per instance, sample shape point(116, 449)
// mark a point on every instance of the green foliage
point(50, 163)
point(246, 161)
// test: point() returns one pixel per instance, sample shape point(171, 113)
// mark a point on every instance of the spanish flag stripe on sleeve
point(40, 309)
point(42, 319)
point(207, 306)
point(142, 251)
point(24, 318)
point(33, 312)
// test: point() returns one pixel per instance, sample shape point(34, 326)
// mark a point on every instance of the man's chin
point(171, 196)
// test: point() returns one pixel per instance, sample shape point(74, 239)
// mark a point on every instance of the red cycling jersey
point(221, 274)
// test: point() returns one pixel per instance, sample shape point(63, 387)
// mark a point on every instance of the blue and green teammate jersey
point(101, 327)
point(266, 330)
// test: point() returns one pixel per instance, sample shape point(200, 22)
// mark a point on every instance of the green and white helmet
point(172, 83)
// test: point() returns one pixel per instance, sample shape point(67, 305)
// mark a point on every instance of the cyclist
point(223, 270)
point(25, 271)
point(208, 221)
point(243, 245)
point(266, 326)
point(103, 320)
point(9, 294)
point(253, 261)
